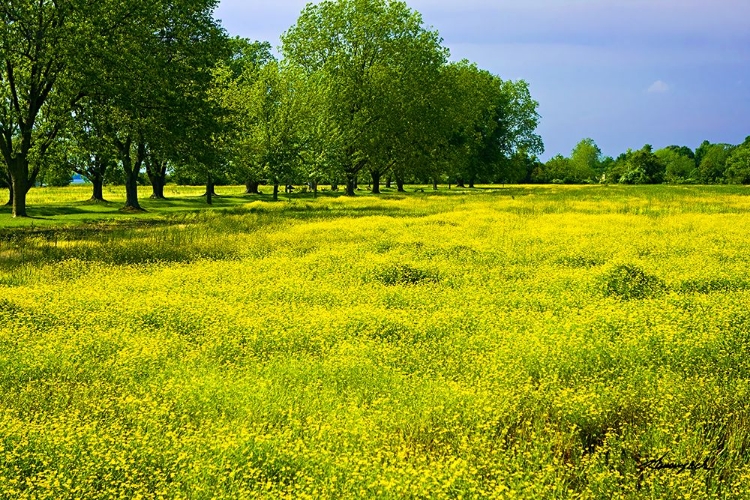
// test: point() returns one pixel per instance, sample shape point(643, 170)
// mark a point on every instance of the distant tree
point(642, 167)
point(682, 150)
point(556, 169)
point(679, 164)
point(738, 164)
point(490, 122)
point(701, 151)
point(232, 91)
point(713, 162)
point(516, 119)
point(585, 162)
point(470, 100)
point(88, 151)
point(277, 107)
point(519, 168)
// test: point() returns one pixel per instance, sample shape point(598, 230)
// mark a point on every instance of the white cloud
point(658, 87)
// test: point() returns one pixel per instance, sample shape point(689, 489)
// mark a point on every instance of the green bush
point(403, 274)
point(628, 281)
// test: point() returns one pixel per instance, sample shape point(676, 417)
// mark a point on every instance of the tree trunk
point(20, 183)
point(131, 172)
point(251, 187)
point(388, 182)
point(276, 191)
point(471, 183)
point(400, 184)
point(19, 188)
point(157, 189)
point(460, 183)
point(10, 193)
point(375, 181)
point(209, 190)
point(351, 184)
point(131, 191)
point(334, 186)
point(434, 184)
point(157, 174)
point(97, 180)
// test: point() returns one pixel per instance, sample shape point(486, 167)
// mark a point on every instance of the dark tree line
point(140, 90)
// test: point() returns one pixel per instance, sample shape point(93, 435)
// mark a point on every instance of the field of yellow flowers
point(528, 342)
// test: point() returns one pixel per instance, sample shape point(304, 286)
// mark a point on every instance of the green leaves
point(373, 66)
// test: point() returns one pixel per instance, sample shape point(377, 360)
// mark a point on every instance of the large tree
point(129, 54)
point(366, 58)
point(44, 50)
point(265, 106)
point(495, 120)
point(157, 88)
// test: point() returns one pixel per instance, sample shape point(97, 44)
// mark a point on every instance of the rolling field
point(526, 342)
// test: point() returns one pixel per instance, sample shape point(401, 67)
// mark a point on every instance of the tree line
point(135, 91)
point(707, 164)
point(143, 91)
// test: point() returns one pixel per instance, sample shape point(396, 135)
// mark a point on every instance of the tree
point(231, 91)
point(492, 121)
point(556, 170)
point(266, 106)
point(642, 167)
point(713, 161)
point(43, 46)
point(126, 54)
point(679, 164)
point(152, 84)
point(276, 102)
point(87, 149)
point(585, 161)
point(365, 58)
point(738, 164)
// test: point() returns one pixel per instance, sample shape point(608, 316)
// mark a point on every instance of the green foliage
point(738, 164)
point(584, 166)
point(585, 161)
point(641, 167)
point(371, 65)
point(713, 162)
point(403, 274)
point(679, 165)
point(555, 170)
point(711, 285)
point(627, 281)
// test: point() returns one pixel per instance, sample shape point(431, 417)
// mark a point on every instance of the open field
point(530, 342)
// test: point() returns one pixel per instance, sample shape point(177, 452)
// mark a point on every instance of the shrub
point(404, 274)
point(628, 281)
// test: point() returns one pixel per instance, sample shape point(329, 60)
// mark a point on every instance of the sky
point(623, 72)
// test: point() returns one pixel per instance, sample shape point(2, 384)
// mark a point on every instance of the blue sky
point(623, 72)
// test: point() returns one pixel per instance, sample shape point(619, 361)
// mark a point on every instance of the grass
point(534, 342)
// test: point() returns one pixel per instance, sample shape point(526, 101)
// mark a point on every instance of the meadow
point(517, 342)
